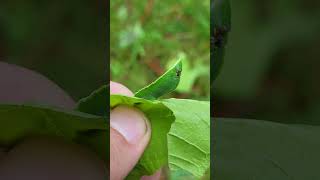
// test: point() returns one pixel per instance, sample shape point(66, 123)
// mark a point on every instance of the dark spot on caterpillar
point(178, 73)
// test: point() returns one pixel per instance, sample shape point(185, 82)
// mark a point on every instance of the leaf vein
point(202, 119)
point(195, 146)
point(58, 131)
point(186, 160)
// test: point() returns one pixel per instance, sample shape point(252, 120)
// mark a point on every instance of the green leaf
point(96, 102)
point(189, 136)
point(181, 174)
point(253, 149)
point(19, 121)
point(185, 147)
point(156, 154)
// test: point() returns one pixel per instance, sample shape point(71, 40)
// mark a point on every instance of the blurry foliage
point(63, 40)
point(148, 35)
point(271, 68)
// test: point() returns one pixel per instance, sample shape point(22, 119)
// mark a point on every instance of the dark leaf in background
point(220, 26)
point(254, 149)
point(270, 72)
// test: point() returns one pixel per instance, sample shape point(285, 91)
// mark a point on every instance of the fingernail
point(129, 122)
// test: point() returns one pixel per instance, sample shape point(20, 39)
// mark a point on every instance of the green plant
point(180, 129)
point(256, 149)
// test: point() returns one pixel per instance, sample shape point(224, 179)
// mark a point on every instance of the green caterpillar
point(163, 85)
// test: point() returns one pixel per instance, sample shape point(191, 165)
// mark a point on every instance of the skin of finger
point(124, 156)
point(116, 168)
point(2, 152)
point(51, 158)
point(116, 88)
point(20, 85)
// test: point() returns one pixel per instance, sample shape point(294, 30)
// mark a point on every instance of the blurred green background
point(147, 36)
point(272, 62)
point(64, 40)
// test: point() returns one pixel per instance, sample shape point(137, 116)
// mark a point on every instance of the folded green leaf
point(156, 155)
point(96, 102)
point(253, 149)
point(19, 121)
point(185, 147)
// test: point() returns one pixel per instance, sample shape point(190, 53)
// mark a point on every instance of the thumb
point(129, 135)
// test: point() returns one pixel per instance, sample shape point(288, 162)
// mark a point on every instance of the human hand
point(42, 157)
point(130, 133)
